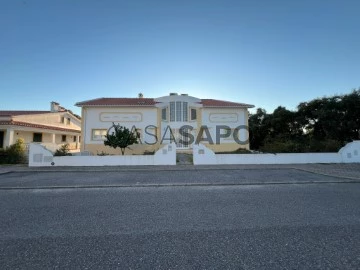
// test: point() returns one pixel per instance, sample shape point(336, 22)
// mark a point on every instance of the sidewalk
point(351, 171)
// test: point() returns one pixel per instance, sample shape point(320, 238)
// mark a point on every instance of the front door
point(1, 139)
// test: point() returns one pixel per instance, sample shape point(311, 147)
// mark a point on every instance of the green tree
point(63, 150)
point(320, 125)
point(259, 128)
point(333, 118)
point(121, 137)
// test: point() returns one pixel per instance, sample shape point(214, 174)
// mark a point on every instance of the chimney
point(54, 106)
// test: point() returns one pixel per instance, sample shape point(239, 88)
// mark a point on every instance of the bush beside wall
point(14, 154)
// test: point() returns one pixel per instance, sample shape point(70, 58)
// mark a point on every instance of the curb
point(175, 168)
point(181, 185)
point(106, 169)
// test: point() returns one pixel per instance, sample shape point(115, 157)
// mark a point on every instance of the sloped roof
point(223, 103)
point(118, 102)
point(17, 113)
point(14, 113)
point(152, 102)
point(25, 124)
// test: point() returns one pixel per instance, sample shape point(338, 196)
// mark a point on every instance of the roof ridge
point(21, 112)
point(88, 100)
point(223, 103)
point(118, 101)
point(24, 110)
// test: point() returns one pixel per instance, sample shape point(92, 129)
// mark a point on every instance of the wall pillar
point(77, 141)
point(53, 136)
point(9, 137)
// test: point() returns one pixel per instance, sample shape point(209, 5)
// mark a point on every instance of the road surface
point(179, 219)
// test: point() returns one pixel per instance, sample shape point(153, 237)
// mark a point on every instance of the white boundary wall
point(350, 153)
point(39, 156)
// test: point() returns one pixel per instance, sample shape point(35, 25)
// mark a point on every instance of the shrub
point(102, 153)
point(3, 156)
point(237, 151)
point(14, 154)
point(280, 146)
point(63, 151)
point(325, 145)
point(304, 146)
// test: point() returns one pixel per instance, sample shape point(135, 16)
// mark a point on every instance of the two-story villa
point(219, 124)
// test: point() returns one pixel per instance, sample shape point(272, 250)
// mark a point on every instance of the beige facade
point(98, 120)
point(161, 120)
point(51, 128)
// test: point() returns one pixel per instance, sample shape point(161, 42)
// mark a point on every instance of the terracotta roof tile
point(13, 113)
point(118, 102)
point(152, 102)
point(25, 124)
point(223, 103)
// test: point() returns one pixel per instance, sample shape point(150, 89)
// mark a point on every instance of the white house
point(51, 128)
point(221, 125)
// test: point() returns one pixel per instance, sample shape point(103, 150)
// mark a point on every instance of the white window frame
point(185, 111)
point(166, 114)
point(178, 111)
point(172, 111)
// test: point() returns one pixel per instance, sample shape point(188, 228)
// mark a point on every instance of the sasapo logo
point(185, 134)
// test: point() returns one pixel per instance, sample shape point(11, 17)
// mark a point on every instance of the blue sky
point(262, 52)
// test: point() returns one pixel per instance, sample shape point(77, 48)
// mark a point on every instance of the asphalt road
point(286, 219)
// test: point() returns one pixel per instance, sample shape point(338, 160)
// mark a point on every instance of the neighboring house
point(158, 120)
point(51, 128)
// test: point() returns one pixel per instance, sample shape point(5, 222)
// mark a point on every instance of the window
point(62, 119)
point(172, 111)
point(185, 111)
point(98, 134)
point(74, 139)
point(68, 121)
point(37, 137)
point(193, 114)
point(178, 111)
point(63, 138)
point(163, 114)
